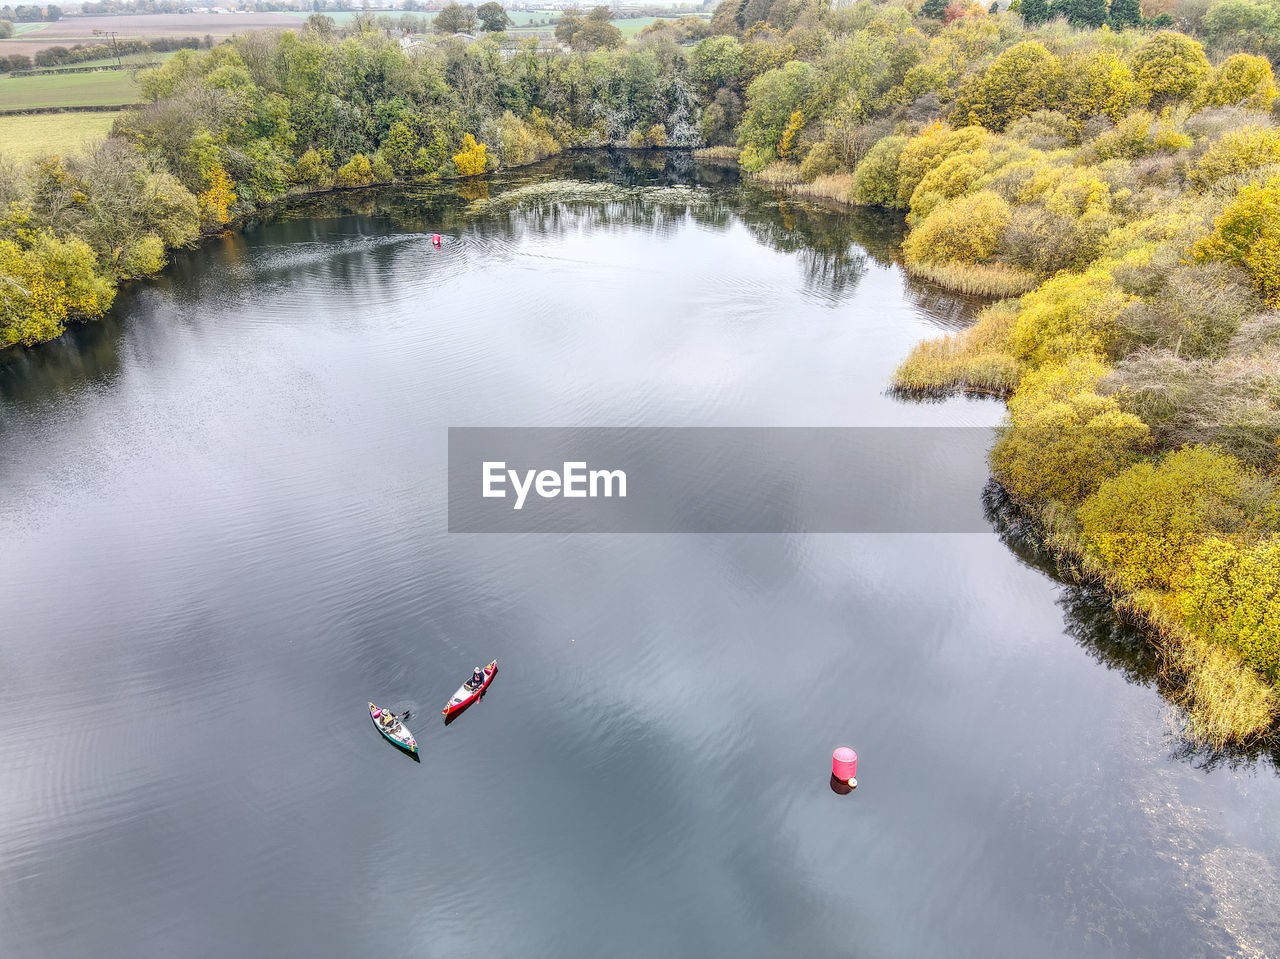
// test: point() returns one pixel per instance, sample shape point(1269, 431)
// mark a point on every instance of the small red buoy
point(844, 765)
point(435, 239)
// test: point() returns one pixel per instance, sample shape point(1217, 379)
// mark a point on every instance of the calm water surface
point(222, 530)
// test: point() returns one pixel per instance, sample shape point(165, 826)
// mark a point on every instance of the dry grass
point(721, 154)
point(977, 359)
point(779, 176)
point(1227, 702)
point(980, 279)
point(836, 187)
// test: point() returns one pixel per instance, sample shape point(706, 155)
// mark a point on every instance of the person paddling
point(477, 678)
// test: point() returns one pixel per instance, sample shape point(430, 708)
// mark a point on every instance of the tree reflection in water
point(1108, 636)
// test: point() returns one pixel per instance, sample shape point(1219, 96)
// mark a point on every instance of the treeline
point(30, 14)
point(84, 53)
point(267, 114)
point(112, 7)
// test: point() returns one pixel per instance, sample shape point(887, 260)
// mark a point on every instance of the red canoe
point(465, 695)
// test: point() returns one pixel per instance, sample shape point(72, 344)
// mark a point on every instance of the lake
point(224, 527)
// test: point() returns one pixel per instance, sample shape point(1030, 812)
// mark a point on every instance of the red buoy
point(435, 239)
point(844, 765)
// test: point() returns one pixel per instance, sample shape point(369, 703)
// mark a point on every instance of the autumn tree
point(1169, 67)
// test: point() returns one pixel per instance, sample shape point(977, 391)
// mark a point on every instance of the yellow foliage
point(1148, 522)
point(1248, 233)
point(787, 145)
point(1232, 597)
point(1061, 438)
point(45, 283)
point(1237, 152)
point(964, 230)
point(472, 159)
point(523, 142)
point(929, 149)
point(357, 171)
point(1072, 313)
point(953, 177)
point(1242, 79)
point(216, 200)
point(1169, 67)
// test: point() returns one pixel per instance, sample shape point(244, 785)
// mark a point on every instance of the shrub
point(1148, 521)
point(950, 179)
point(875, 181)
point(820, 161)
point(1169, 67)
point(1228, 403)
point(1016, 84)
point(49, 281)
point(1247, 233)
point(1042, 130)
point(964, 230)
point(1062, 438)
point(1046, 242)
point(1232, 597)
point(1238, 152)
point(521, 142)
point(929, 149)
point(357, 171)
point(1195, 312)
point(1242, 79)
point(1072, 313)
point(472, 159)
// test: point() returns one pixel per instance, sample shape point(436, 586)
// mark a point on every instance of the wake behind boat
point(393, 729)
point(469, 692)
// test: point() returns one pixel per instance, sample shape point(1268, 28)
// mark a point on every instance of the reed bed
point(719, 154)
point(976, 360)
point(977, 279)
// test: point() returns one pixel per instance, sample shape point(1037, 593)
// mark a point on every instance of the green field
point(108, 88)
point(24, 137)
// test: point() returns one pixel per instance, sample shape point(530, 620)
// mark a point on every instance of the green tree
point(1125, 13)
point(772, 100)
point(717, 62)
point(1082, 13)
point(493, 17)
point(934, 9)
point(455, 18)
point(1035, 12)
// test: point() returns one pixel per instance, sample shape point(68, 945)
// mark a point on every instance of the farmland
point(102, 88)
point(72, 30)
point(24, 137)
